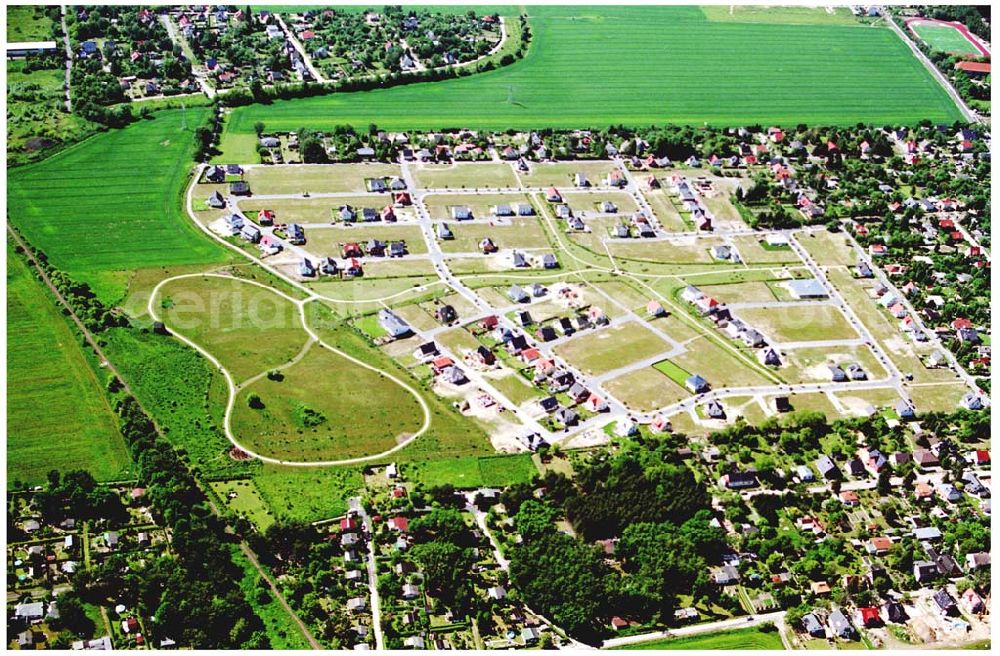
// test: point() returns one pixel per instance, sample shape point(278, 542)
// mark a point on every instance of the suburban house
point(392, 324)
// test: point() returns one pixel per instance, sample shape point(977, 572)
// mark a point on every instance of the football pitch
point(596, 66)
point(945, 38)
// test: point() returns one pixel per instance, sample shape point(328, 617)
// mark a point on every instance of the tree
point(258, 127)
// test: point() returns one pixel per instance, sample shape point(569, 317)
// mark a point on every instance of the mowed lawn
point(57, 414)
point(113, 202)
point(605, 350)
point(749, 638)
point(325, 408)
point(248, 328)
point(594, 66)
point(945, 38)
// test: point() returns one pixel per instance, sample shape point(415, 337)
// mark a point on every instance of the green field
point(607, 349)
point(113, 202)
point(593, 66)
point(807, 322)
point(945, 38)
point(749, 638)
point(325, 408)
point(58, 416)
point(474, 472)
point(241, 497)
point(248, 328)
point(28, 23)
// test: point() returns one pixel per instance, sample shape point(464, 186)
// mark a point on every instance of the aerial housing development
point(301, 358)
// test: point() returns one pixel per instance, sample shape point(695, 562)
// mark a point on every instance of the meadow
point(58, 416)
point(643, 65)
point(325, 408)
point(28, 23)
point(748, 638)
point(113, 202)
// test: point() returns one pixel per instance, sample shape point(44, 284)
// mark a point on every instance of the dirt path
point(89, 337)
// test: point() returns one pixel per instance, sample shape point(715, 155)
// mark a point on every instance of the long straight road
point(776, 618)
point(69, 58)
point(356, 504)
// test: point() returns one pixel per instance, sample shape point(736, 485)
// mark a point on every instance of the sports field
point(945, 38)
point(57, 414)
point(643, 65)
point(113, 202)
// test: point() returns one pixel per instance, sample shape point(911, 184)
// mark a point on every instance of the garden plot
point(327, 241)
point(465, 175)
point(439, 206)
point(316, 178)
point(805, 365)
point(605, 350)
point(586, 204)
point(804, 322)
point(645, 390)
point(521, 234)
point(561, 174)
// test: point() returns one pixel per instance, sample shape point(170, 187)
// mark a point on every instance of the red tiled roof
point(974, 67)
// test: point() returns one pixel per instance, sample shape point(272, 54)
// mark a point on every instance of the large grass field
point(749, 638)
point(248, 328)
point(58, 417)
point(113, 202)
point(593, 66)
point(325, 408)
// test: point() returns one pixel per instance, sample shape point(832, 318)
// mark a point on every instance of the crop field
point(749, 638)
point(609, 348)
point(248, 328)
point(113, 202)
point(324, 408)
point(316, 178)
point(807, 322)
point(52, 391)
point(829, 74)
point(944, 38)
point(465, 175)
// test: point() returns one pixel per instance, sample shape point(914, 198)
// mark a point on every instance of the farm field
point(113, 202)
point(830, 74)
point(612, 347)
point(749, 638)
point(324, 408)
point(806, 322)
point(52, 390)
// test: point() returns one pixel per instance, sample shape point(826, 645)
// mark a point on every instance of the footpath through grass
point(58, 416)
point(595, 66)
point(114, 202)
point(738, 639)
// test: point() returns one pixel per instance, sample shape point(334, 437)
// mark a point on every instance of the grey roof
point(806, 288)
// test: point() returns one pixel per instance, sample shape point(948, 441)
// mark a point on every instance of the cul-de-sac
point(498, 327)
